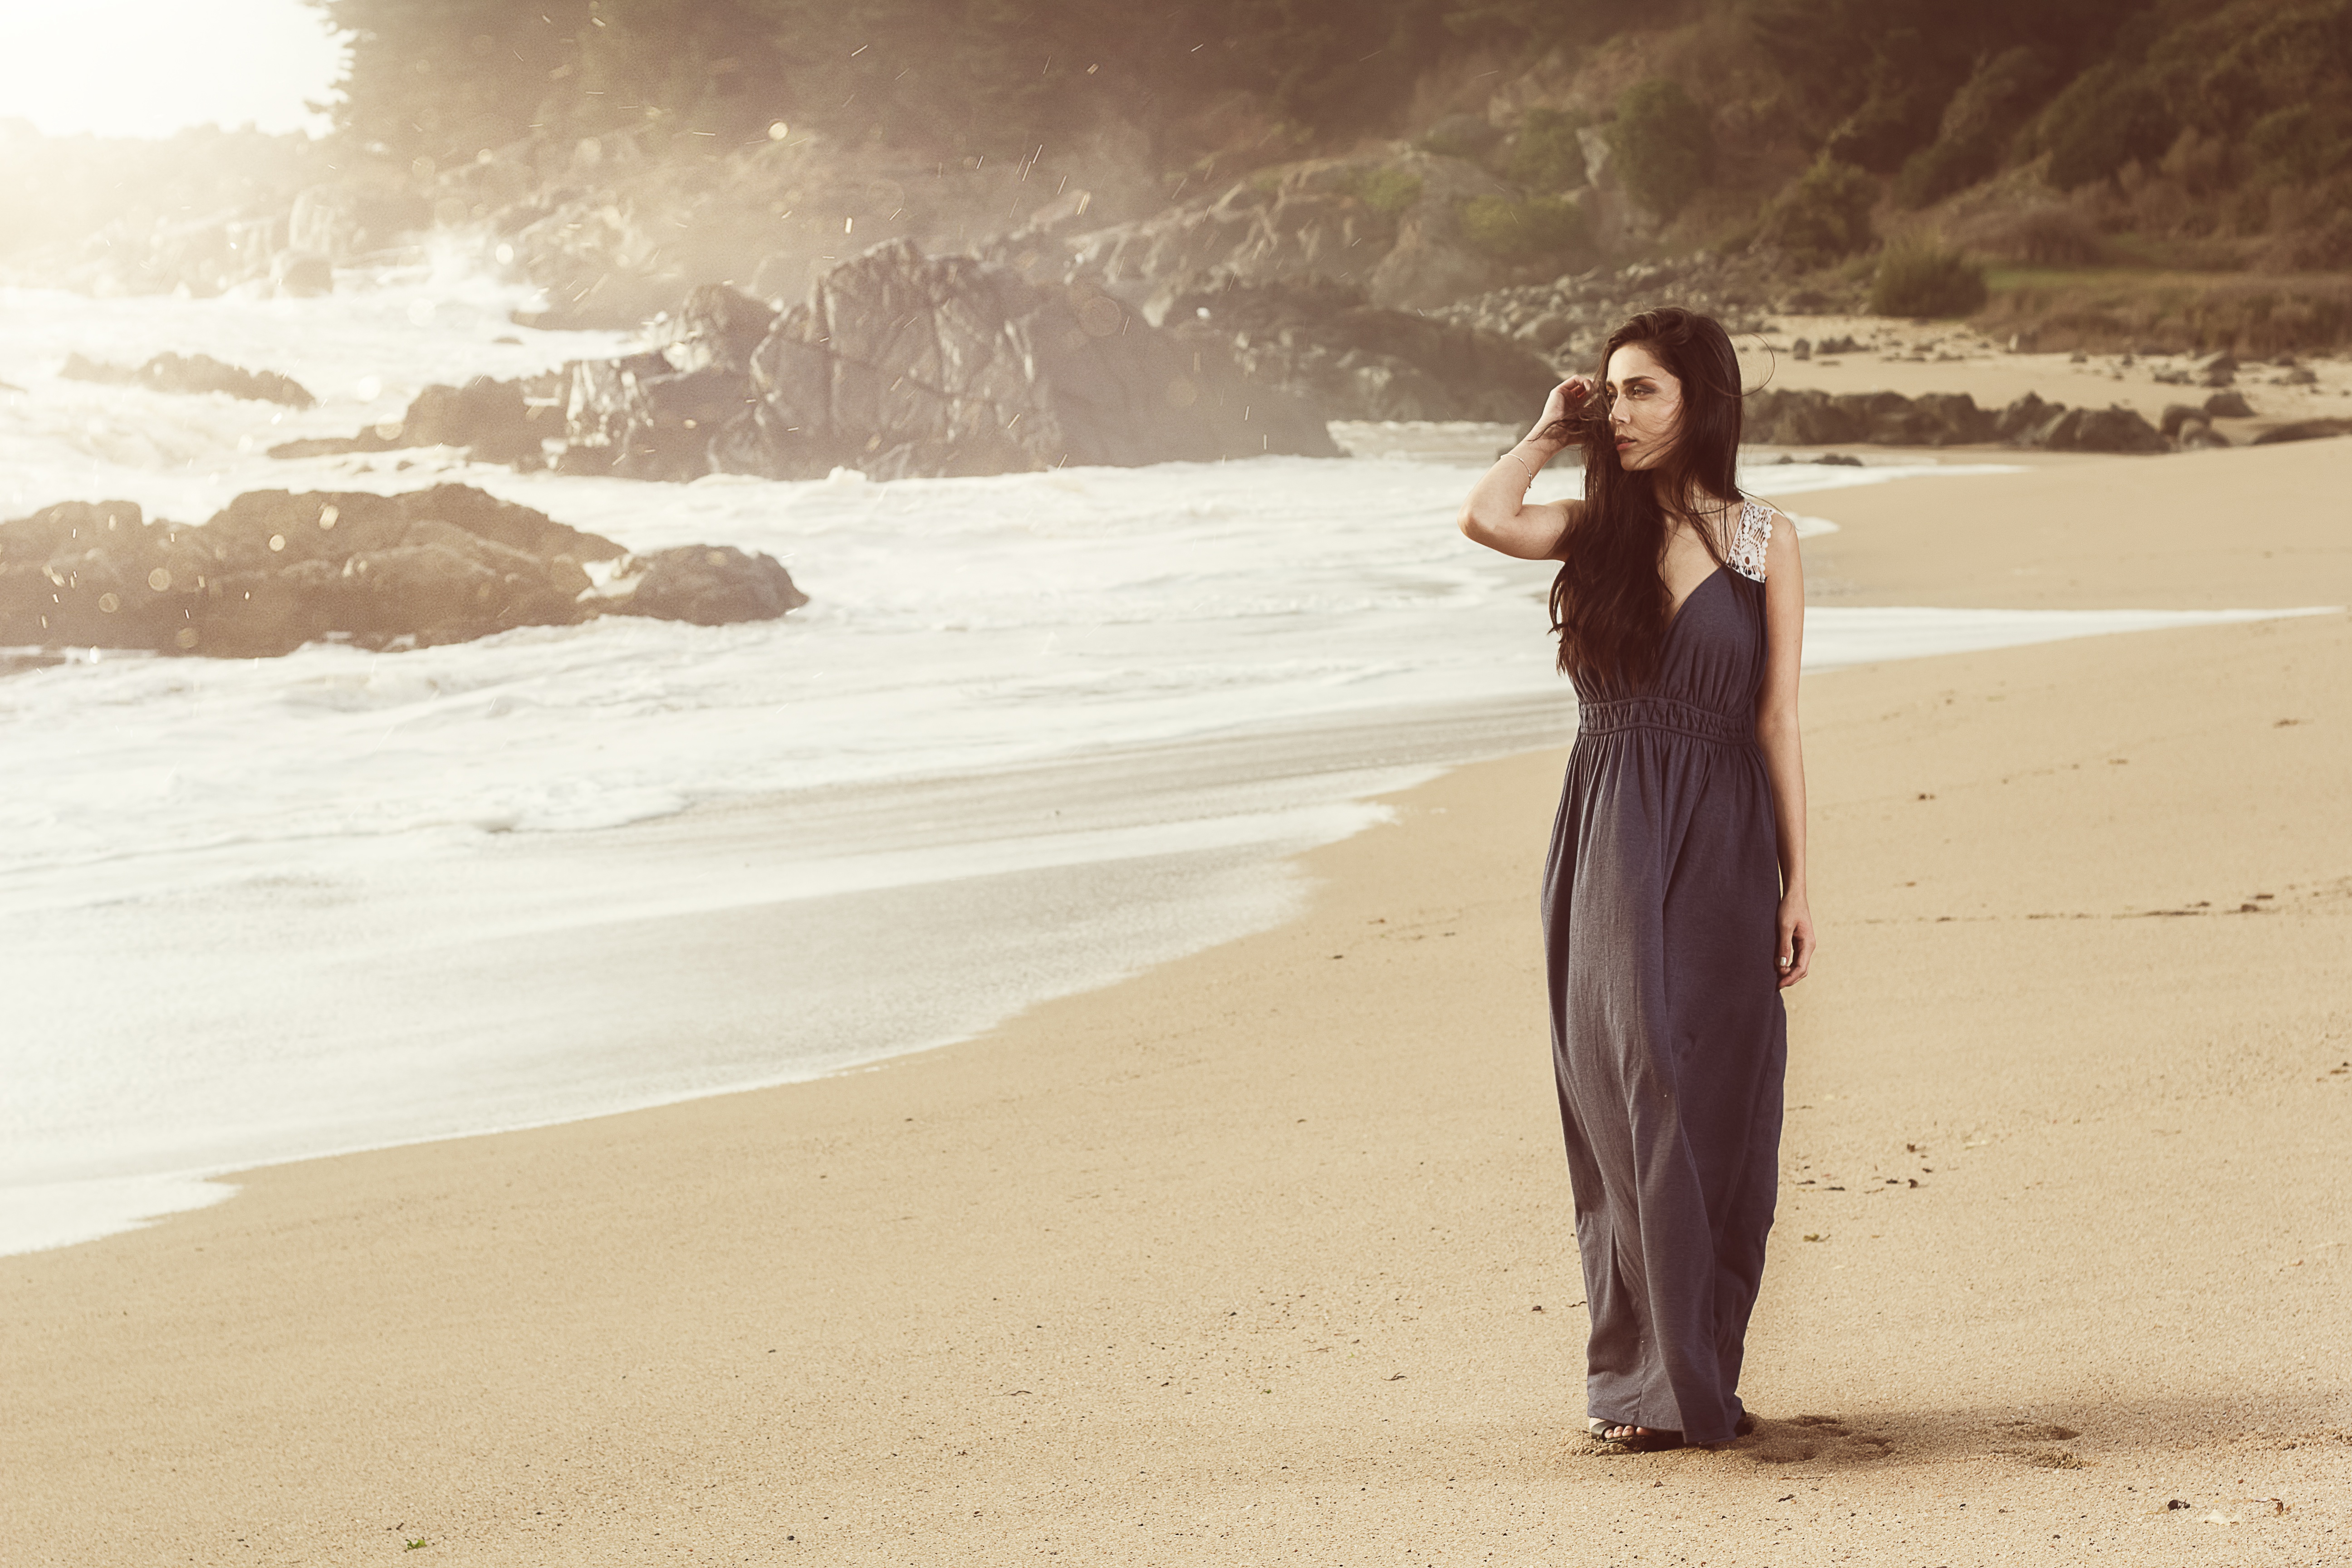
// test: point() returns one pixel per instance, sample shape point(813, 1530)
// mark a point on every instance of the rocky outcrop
point(1390, 226)
point(715, 328)
point(711, 585)
point(1569, 318)
point(2116, 429)
point(273, 571)
point(902, 365)
point(494, 421)
point(2303, 430)
point(1806, 416)
point(193, 373)
point(643, 418)
point(1324, 341)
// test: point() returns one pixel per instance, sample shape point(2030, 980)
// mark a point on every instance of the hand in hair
point(1555, 429)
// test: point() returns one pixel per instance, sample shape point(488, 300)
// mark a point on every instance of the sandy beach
point(1265, 1254)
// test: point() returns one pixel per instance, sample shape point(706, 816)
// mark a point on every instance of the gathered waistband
point(1609, 718)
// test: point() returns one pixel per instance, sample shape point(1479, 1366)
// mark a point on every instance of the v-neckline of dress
point(1673, 618)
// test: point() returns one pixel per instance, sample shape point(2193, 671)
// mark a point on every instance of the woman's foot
point(1641, 1440)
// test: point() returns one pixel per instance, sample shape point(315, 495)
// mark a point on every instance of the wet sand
point(1266, 1253)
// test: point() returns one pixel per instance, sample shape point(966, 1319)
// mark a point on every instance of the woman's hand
point(1566, 400)
point(1796, 938)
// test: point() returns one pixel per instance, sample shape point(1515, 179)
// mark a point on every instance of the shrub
point(1823, 213)
point(1663, 144)
point(1922, 280)
point(1523, 231)
point(1387, 190)
point(2295, 146)
point(1548, 156)
point(2050, 234)
point(1952, 165)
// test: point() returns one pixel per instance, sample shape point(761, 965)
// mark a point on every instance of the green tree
point(1925, 281)
point(444, 78)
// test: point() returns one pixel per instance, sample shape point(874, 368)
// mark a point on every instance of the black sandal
point(1637, 1440)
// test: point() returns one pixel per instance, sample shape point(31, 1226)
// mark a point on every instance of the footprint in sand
point(2036, 1443)
point(1804, 1438)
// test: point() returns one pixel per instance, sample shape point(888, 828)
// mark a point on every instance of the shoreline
point(367, 990)
point(1242, 1254)
point(980, 883)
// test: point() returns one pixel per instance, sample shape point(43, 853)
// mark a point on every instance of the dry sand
point(1914, 359)
point(1265, 1254)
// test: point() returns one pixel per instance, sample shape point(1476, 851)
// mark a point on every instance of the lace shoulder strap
point(1749, 538)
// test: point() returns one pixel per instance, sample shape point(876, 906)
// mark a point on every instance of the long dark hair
point(1609, 603)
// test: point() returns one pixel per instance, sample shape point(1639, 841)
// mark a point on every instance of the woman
point(1675, 904)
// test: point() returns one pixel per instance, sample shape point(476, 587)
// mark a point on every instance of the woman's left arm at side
point(1776, 735)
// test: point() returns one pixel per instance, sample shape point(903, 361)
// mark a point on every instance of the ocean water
point(1034, 732)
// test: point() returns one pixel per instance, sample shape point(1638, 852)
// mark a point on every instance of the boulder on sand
point(273, 571)
point(2116, 429)
point(1807, 417)
point(2303, 430)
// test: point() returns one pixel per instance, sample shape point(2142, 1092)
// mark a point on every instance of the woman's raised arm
point(1498, 514)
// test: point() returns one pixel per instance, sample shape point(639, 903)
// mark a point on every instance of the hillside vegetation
point(1897, 152)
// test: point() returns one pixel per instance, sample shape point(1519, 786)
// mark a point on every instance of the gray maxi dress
point(1661, 899)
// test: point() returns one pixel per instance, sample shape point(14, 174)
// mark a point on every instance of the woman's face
point(1645, 402)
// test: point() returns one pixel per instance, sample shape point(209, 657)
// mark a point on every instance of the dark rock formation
point(2303, 430)
point(1390, 226)
point(273, 571)
point(2229, 406)
point(2016, 421)
point(715, 329)
point(193, 373)
point(710, 586)
point(642, 417)
point(1323, 340)
point(2116, 429)
point(1570, 317)
point(901, 364)
point(302, 273)
point(1811, 417)
point(495, 421)
point(1807, 417)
